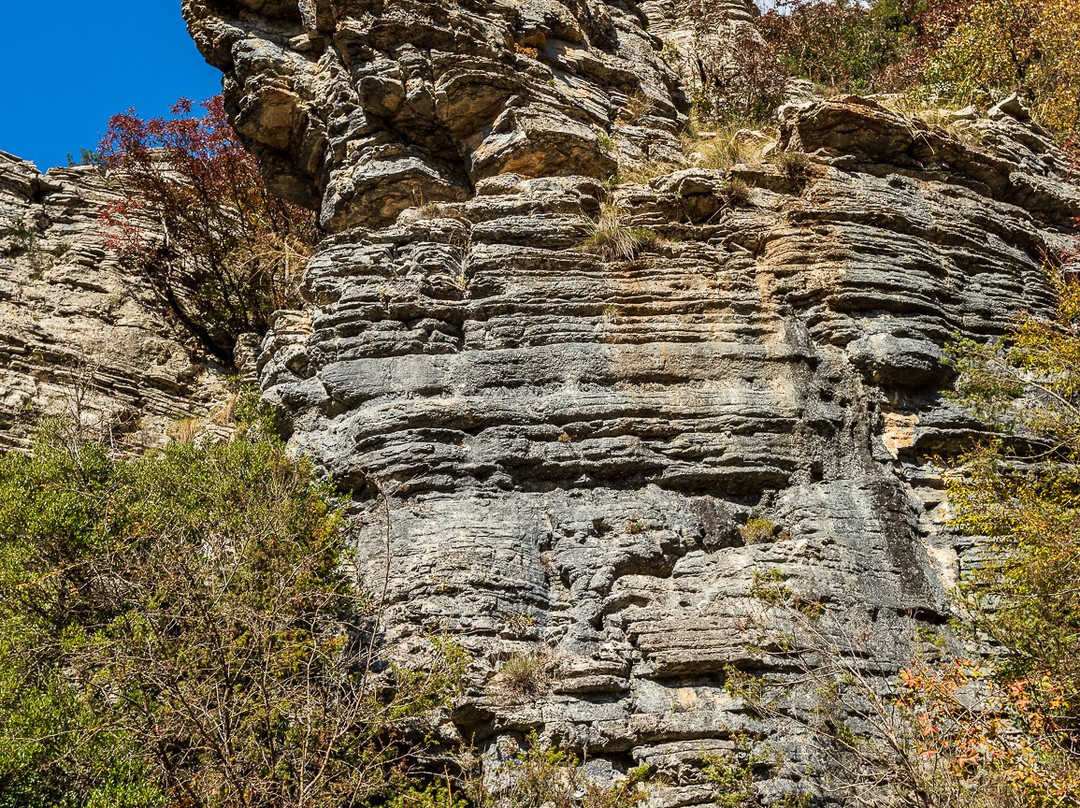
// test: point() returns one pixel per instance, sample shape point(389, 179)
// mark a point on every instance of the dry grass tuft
point(613, 239)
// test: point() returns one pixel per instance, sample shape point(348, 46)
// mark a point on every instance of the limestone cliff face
point(566, 446)
point(368, 108)
point(81, 338)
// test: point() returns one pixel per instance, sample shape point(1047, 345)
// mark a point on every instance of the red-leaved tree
point(197, 221)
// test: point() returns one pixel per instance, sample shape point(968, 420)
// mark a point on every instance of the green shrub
point(540, 776)
point(757, 530)
point(178, 626)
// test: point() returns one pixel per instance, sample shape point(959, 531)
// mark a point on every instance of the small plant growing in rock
point(637, 107)
point(615, 240)
point(430, 210)
point(729, 145)
point(526, 676)
point(733, 782)
point(22, 238)
point(734, 776)
point(770, 588)
point(736, 193)
point(541, 776)
point(526, 50)
point(60, 249)
point(794, 165)
point(520, 623)
point(757, 530)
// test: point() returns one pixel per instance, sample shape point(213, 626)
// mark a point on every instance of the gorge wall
point(588, 464)
point(591, 465)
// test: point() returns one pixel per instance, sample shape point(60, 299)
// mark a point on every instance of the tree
point(1030, 47)
point(1020, 495)
point(179, 629)
point(738, 75)
point(196, 220)
point(842, 44)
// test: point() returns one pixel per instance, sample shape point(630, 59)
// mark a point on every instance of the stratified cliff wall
point(567, 446)
point(81, 338)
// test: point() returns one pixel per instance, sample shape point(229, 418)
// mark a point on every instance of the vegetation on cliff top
point(941, 51)
point(197, 221)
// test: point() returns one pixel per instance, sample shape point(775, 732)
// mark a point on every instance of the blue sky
point(69, 65)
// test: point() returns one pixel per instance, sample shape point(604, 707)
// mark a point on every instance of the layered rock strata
point(81, 338)
point(603, 465)
point(368, 108)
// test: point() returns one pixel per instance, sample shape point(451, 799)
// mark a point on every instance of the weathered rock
point(367, 108)
point(80, 337)
point(567, 447)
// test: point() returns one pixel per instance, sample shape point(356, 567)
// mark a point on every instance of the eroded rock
point(571, 449)
point(366, 109)
point(80, 337)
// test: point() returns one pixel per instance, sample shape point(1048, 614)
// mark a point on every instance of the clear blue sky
point(67, 66)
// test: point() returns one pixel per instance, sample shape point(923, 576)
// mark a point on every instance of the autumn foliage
point(197, 221)
point(986, 742)
point(1030, 47)
point(938, 52)
point(1009, 728)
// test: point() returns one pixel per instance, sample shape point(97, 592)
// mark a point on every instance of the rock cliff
point(592, 463)
point(81, 338)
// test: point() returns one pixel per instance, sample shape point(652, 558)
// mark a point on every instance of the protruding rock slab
point(368, 108)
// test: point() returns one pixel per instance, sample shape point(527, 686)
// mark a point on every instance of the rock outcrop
point(368, 108)
point(80, 337)
point(594, 463)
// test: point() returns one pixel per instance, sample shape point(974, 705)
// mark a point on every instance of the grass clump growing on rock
point(613, 239)
point(526, 676)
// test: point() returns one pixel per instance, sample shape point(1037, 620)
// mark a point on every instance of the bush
point(178, 628)
point(843, 44)
point(1030, 47)
point(526, 676)
point(539, 776)
point(197, 221)
point(740, 77)
point(1020, 494)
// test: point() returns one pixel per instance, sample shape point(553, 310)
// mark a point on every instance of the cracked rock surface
point(596, 464)
point(80, 337)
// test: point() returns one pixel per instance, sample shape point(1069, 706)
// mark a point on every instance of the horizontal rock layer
point(81, 338)
point(570, 445)
point(367, 108)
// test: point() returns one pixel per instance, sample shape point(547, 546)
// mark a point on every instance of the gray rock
point(566, 447)
point(80, 337)
point(420, 102)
